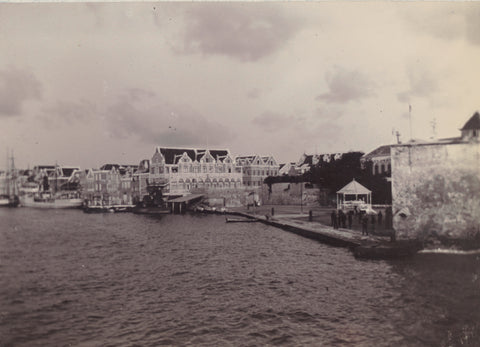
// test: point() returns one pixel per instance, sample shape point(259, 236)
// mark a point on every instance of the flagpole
point(410, 120)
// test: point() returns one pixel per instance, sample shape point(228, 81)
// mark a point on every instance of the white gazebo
point(354, 194)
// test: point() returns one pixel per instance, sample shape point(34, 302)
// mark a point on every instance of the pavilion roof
point(354, 188)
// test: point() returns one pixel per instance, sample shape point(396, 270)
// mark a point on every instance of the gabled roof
point(121, 168)
point(245, 159)
point(378, 152)
point(473, 123)
point(354, 188)
point(308, 160)
point(68, 171)
point(44, 167)
point(172, 155)
point(218, 153)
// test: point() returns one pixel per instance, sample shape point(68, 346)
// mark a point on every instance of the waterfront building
point(140, 179)
point(256, 168)
point(112, 184)
point(307, 161)
point(471, 129)
point(287, 169)
point(379, 159)
point(435, 186)
point(56, 175)
point(184, 170)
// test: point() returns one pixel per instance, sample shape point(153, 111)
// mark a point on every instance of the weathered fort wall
point(279, 194)
point(436, 190)
point(290, 194)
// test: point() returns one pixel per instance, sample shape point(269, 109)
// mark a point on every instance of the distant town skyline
point(93, 83)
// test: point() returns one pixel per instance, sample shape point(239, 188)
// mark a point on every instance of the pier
point(363, 246)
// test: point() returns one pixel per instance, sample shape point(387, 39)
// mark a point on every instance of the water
point(74, 279)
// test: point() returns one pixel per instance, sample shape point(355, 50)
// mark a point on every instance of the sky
point(86, 84)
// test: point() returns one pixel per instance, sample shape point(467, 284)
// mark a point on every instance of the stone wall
point(436, 190)
point(290, 194)
point(228, 197)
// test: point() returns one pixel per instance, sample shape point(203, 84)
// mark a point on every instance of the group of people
point(339, 219)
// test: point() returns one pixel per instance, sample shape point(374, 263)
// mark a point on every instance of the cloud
point(345, 86)
point(329, 112)
point(422, 84)
point(69, 112)
point(247, 32)
point(447, 20)
point(254, 93)
point(141, 114)
point(473, 25)
point(16, 87)
point(271, 122)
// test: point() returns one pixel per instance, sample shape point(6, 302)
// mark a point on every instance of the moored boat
point(49, 200)
point(4, 200)
point(10, 196)
point(153, 203)
point(140, 209)
point(108, 209)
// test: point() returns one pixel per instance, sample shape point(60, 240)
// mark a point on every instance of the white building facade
point(186, 170)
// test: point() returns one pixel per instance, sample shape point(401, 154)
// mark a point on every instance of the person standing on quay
point(373, 221)
point(365, 224)
point(334, 219)
point(343, 217)
point(350, 217)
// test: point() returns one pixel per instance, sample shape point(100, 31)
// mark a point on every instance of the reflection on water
point(122, 279)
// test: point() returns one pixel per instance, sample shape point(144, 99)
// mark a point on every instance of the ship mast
point(13, 175)
point(7, 179)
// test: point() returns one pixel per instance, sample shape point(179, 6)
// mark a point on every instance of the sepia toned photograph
point(240, 173)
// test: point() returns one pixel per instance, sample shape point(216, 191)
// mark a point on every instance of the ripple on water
point(121, 279)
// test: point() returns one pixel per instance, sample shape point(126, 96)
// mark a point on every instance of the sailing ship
point(9, 198)
point(45, 196)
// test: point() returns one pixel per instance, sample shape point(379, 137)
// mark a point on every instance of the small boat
point(98, 209)
point(154, 210)
point(4, 200)
point(107, 209)
point(240, 220)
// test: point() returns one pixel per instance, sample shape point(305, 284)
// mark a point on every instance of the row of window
point(195, 169)
point(378, 169)
point(253, 184)
point(188, 186)
point(262, 172)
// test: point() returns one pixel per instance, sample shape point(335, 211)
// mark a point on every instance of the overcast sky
point(87, 84)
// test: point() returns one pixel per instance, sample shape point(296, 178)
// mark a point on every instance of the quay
point(288, 218)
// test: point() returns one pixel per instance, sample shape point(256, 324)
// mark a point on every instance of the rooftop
point(473, 122)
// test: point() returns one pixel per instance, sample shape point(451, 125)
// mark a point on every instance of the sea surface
point(74, 279)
